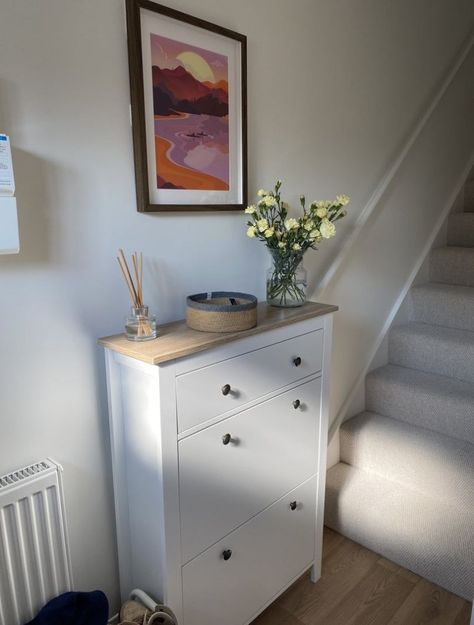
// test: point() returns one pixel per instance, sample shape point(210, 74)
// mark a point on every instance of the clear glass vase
point(287, 279)
point(140, 325)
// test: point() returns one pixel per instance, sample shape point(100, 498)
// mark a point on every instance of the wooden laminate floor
point(359, 587)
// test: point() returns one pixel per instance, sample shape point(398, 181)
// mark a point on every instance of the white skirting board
point(9, 238)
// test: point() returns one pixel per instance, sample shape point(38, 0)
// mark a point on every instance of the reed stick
point(137, 278)
point(127, 282)
point(128, 277)
point(135, 288)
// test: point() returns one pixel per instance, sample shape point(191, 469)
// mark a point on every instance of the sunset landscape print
point(191, 116)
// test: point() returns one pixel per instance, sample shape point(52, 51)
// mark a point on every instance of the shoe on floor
point(133, 613)
point(163, 616)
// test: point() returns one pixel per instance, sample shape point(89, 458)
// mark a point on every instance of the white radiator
point(35, 563)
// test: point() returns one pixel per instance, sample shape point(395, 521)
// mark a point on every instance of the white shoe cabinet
point(219, 461)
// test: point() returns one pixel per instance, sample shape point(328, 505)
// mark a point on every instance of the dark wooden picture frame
point(212, 200)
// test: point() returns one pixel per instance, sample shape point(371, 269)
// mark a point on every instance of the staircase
point(405, 484)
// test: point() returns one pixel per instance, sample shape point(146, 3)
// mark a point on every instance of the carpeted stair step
point(429, 536)
point(461, 229)
point(426, 400)
point(416, 458)
point(469, 196)
point(435, 349)
point(452, 265)
point(443, 305)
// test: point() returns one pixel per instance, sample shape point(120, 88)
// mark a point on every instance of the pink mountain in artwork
point(176, 90)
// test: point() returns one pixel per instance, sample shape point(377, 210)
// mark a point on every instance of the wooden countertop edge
point(201, 341)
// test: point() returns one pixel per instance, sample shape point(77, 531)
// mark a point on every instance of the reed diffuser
point(140, 325)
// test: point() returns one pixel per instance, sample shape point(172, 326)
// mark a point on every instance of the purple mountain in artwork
point(176, 90)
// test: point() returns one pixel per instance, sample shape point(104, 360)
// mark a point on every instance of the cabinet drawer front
point(231, 471)
point(201, 394)
point(267, 553)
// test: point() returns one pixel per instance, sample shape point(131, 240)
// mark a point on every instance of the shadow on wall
point(37, 181)
point(33, 199)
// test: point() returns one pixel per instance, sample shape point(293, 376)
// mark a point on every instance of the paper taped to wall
point(7, 180)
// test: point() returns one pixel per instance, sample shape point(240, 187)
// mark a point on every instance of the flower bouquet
point(288, 239)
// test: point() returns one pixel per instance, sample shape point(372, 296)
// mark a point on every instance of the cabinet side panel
point(323, 438)
point(136, 456)
point(172, 591)
point(114, 396)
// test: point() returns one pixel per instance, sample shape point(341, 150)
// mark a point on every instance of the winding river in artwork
point(192, 151)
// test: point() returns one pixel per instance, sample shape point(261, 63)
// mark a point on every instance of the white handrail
point(394, 167)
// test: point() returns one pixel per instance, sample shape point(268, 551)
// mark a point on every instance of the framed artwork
point(189, 118)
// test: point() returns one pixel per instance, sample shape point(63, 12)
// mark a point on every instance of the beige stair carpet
point(405, 484)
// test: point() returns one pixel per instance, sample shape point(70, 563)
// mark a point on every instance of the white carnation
point(262, 225)
point(269, 200)
point(291, 224)
point(342, 199)
point(251, 231)
point(327, 229)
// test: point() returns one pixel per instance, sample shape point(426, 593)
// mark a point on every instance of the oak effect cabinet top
point(176, 340)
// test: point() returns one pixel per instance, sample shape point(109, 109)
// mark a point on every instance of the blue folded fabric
point(75, 608)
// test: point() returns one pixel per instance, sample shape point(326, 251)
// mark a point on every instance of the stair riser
point(422, 407)
point(426, 536)
point(453, 265)
point(410, 456)
point(443, 309)
point(452, 359)
point(469, 196)
point(461, 230)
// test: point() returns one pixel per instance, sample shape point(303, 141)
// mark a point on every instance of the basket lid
point(207, 301)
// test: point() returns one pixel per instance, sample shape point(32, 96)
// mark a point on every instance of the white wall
point(334, 88)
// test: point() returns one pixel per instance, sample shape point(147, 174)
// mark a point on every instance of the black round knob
point(297, 361)
point(293, 505)
point(227, 554)
point(226, 389)
point(226, 439)
point(296, 404)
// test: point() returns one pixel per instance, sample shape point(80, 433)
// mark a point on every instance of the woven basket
point(221, 311)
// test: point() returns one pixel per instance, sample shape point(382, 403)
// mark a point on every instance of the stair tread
point(435, 349)
point(453, 290)
point(427, 400)
point(453, 250)
point(418, 458)
point(452, 265)
point(424, 534)
point(429, 330)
